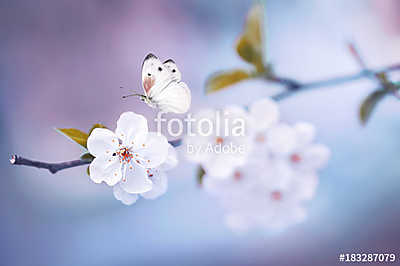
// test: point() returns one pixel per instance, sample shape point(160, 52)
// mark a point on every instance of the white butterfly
point(162, 85)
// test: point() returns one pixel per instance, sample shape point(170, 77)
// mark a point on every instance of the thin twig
point(52, 167)
point(291, 90)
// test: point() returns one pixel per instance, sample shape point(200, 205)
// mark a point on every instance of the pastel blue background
point(62, 63)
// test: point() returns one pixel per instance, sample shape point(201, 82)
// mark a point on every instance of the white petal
point(101, 142)
point(123, 196)
point(237, 222)
point(154, 150)
point(195, 147)
point(281, 139)
point(305, 133)
point(132, 128)
point(315, 156)
point(221, 165)
point(171, 161)
point(160, 184)
point(107, 169)
point(265, 112)
point(136, 180)
point(305, 186)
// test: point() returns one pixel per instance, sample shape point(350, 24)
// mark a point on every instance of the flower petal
point(123, 196)
point(105, 168)
point(171, 161)
point(132, 128)
point(136, 180)
point(315, 156)
point(265, 112)
point(160, 184)
point(102, 141)
point(154, 150)
point(305, 133)
point(305, 186)
point(221, 165)
point(281, 139)
point(196, 148)
point(237, 222)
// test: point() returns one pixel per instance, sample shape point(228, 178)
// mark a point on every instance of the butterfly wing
point(175, 98)
point(155, 76)
point(170, 64)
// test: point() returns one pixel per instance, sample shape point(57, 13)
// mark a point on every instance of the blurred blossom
point(269, 191)
point(219, 140)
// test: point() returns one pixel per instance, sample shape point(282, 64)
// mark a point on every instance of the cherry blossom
point(157, 176)
point(126, 156)
point(220, 140)
point(269, 191)
point(258, 196)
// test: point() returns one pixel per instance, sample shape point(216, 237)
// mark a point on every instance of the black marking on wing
point(169, 60)
point(148, 56)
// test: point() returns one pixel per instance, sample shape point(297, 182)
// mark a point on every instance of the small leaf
point(369, 104)
point(87, 157)
point(88, 171)
point(250, 44)
point(224, 79)
point(200, 175)
point(75, 135)
point(96, 126)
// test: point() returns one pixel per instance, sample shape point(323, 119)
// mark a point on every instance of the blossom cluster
point(267, 185)
point(132, 160)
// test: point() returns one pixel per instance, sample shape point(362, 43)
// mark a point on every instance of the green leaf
point(250, 44)
point(88, 171)
point(87, 157)
point(75, 135)
point(369, 104)
point(224, 79)
point(98, 125)
point(200, 175)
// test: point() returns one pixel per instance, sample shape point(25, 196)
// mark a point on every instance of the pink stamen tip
point(276, 195)
point(260, 138)
point(237, 175)
point(295, 158)
point(219, 140)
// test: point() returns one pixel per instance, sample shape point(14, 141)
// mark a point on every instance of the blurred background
point(62, 65)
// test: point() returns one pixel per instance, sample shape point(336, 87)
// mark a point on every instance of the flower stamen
point(295, 158)
point(276, 195)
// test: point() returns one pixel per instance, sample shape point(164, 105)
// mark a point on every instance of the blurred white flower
point(270, 190)
point(295, 146)
point(126, 155)
point(156, 175)
point(220, 140)
point(258, 196)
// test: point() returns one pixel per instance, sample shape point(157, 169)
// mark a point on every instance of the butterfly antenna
point(135, 94)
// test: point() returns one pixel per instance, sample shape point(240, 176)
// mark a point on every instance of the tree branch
point(52, 167)
point(55, 167)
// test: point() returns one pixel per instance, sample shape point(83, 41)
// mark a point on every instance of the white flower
point(256, 196)
point(295, 146)
point(220, 141)
point(126, 155)
point(156, 175)
point(269, 191)
point(265, 112)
